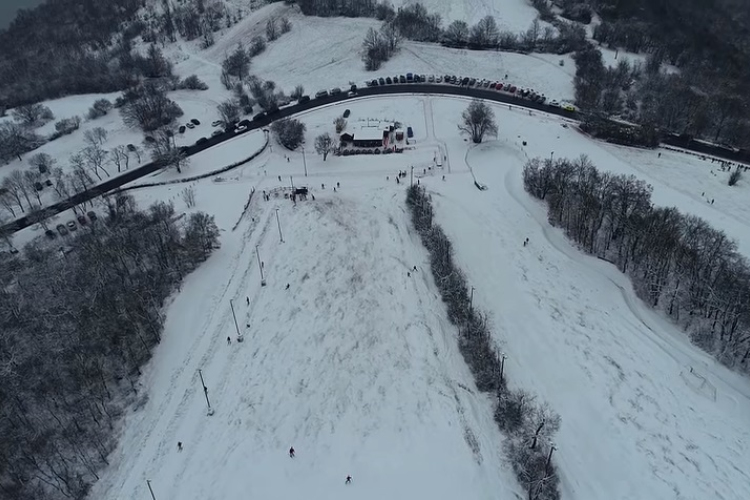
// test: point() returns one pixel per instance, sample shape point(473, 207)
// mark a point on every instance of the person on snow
point(287, 287)
point(229, 340)
point(291, 452)
point(338, 185)
point(348, 479)
point(179, 445)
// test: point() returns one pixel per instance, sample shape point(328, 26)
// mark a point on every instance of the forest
point(677, 263)
point(78, 325)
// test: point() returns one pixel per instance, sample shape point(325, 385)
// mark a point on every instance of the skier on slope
point(348, 479)
point(291, 452)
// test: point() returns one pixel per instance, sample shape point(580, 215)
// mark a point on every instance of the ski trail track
point(184, 380)
point(218, 332)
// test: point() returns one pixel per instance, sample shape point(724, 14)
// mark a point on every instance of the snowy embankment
point(355, 365)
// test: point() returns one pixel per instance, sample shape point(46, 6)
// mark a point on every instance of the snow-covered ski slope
point(356, 366)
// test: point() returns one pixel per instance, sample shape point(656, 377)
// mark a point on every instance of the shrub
point(192, 82)
point(735, 176)
point(100, 108)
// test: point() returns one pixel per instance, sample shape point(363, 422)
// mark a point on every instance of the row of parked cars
point(71, 226)
point(466, 81)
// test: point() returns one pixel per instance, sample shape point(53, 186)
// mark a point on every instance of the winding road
point(413, 88)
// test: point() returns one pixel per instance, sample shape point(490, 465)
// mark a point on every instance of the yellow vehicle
point(568, 107)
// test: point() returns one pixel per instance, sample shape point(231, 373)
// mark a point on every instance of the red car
point(499, 86)
point(512, 89)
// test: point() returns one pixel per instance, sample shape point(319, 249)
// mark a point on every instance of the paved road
point(414, 88)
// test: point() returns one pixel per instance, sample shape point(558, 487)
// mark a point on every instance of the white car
point(554, 104)
point(439, 79)
point(239, 129)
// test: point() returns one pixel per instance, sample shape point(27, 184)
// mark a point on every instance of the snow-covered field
point(356, 367)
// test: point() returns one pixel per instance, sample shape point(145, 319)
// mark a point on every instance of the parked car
point(381, 81)
point(181, 129)
point(240, 128)
point(72, 226)
point(324, 93)
point(512, 89)
point(201, 140)
point(353, 88)
point(374, 83)
point(568, 107)
point(431, 79)
point(493, 85)
point(190, 125)
point(409, 132)
point(82, 220)
point(92, 215)
point(259, 116)
point(48, 183)
point(347, 113)
point(62, 230)
point(388, 80)
point(335, 91)
point(554, 104)
point(217, 123)
point(131, 147)
point(472, 82)
point(439, 79)
point(402, 79)
point(304, 98)
point(195, 121)
point(486, 83)
point(216, 132)
point(49, 233)
point(499, 86)
point(409, 77)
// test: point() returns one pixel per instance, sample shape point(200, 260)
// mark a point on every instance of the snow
point(511, 15)
point(356, 365)
point(322, 53)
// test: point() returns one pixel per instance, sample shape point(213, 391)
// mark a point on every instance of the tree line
point(677, 263)
point(529, 426)
point(79, 323)
point(87, 46)
point(706, 97)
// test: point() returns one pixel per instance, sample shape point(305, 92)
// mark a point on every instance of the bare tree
point(298, 92)
point(32, 179)
point(188, 196)
point(13, 191)
point(149, 108)
point(120, 157)
point(96, 158)
point(285, 25)
point(60, 183)
point(324, 145)
point(289, 132)
point(31, 115)
point(272, 30)
point(43, 162)
point(18, 181)
point(96, 136)
point(478, 121)
point(457, 34)
point(163, 150)
point(340, 124)
point(229, 111)
point(485, 33)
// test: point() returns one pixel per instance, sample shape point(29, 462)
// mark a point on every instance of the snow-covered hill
point(356, 366)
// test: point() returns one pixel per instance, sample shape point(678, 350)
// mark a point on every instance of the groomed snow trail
point(355, 365)
point(634, 426)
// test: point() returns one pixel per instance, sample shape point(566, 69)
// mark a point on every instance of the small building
point(364, 137)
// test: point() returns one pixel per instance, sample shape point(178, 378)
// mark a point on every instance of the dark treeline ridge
point(708, 42)
point(529, 427)
point(677, 263)
point(65, 47)
point(77, 326)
